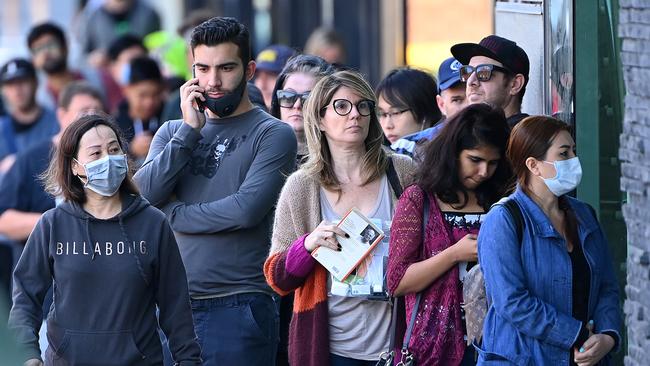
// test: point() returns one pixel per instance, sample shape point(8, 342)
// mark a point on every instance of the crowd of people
point(153, 220)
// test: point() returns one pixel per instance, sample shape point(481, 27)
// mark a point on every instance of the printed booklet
point(364, 236)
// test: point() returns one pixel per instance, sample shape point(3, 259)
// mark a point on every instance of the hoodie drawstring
point(137, 258)
point(90, 243)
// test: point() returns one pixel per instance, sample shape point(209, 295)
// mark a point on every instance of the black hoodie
point(108, 277)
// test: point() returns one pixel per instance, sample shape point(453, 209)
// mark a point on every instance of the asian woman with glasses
point(406, 103)
point(346, 167)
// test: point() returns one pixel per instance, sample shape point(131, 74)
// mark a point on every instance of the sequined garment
point(437, 337)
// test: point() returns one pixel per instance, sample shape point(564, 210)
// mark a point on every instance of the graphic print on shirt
point(207, 158)
point(100, 248)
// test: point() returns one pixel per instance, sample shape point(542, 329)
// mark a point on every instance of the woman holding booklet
point(346, 168)
point(463, 173)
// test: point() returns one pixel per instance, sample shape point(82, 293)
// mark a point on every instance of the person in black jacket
point(138, 115)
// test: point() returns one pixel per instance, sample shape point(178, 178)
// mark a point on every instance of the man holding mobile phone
point(217, 176)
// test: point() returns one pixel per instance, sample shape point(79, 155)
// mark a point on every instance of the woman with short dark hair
point(549, 276)
point(111, 258)
point(406, 103)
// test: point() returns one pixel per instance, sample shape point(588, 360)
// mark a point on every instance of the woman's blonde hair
point(319, 162)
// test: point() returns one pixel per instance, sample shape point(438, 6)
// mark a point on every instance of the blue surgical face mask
point(105, 176)
point(567, 177)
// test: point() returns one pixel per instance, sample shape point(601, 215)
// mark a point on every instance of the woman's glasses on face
point(383, 115)
point(483, 72)
point(287, 98)
point(343, 107)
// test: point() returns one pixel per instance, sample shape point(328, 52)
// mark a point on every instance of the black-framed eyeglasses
point(483, 72)
point(287, 98)
point(343, 107)
point(393, 114)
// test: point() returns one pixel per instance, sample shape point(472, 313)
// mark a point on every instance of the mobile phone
point(199, 102)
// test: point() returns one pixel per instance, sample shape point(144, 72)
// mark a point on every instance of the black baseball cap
point(498, 48)
point(16, 69)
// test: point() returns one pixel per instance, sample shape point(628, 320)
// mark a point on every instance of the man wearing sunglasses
point(496, 72)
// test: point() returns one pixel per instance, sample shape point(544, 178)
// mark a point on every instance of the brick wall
point(634, 30)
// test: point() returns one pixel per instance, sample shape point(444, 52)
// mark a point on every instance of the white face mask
point(567, 177)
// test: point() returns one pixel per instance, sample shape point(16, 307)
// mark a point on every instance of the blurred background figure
point(26, 122)
point(22, 196)
point(100, 26)
point(451, 96)
point(326, 43)
point(49, 50)
point(269, 65)
point(138, 115)
point(120, 53)
point(406, 104)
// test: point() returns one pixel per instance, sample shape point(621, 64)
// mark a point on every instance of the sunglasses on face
point(343, 107)
point(483, 72)
point(49, 46)
point(287, 98)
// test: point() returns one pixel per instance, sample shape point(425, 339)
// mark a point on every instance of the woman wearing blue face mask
point(549, 277)
point(112, 261)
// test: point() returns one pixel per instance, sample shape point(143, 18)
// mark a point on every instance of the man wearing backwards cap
point(269, 65)
point(496, 72)
point(26, 122)
point(450, 99)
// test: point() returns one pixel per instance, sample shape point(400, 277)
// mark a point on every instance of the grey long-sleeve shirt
point(218, 189)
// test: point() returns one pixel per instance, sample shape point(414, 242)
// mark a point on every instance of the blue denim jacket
point(528, 285)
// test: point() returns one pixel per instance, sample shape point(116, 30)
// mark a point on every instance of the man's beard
point(27, 107)
point(55, 66)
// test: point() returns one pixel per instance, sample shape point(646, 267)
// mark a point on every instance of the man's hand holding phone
point(191, 94)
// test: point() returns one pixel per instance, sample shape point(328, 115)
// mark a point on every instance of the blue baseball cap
point(273, 58)
point(449, 73)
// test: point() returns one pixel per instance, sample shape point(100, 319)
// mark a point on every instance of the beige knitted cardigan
point(298, 209)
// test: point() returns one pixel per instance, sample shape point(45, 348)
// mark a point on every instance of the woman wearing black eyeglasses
point(406, 104)
point(292, 88)
point(346, 167)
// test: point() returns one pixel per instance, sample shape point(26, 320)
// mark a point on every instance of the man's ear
point(250, 70)
point(60, 114)
point(516, 84)
point(441, 103)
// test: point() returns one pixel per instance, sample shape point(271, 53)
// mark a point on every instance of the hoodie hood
point(132, 204)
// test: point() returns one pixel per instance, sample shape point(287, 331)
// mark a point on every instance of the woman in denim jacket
point(553, 296)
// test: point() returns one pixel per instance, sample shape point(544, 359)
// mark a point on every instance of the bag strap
point(515, 212)
point(409, 330)
point(396, 300)
point(393, 179)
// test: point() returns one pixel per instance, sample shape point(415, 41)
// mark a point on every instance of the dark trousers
point(241, 329)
